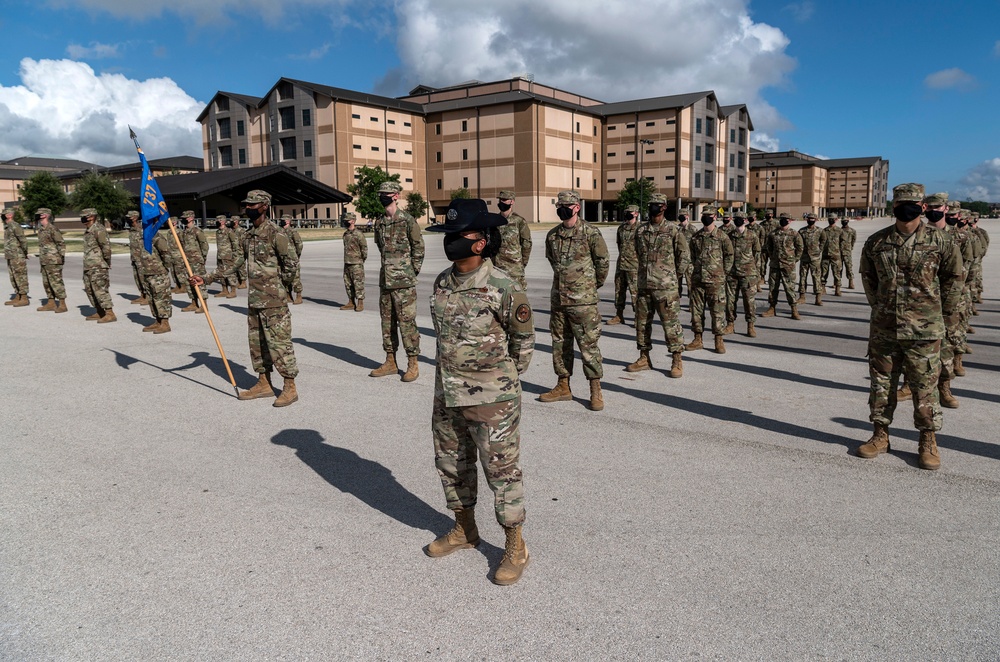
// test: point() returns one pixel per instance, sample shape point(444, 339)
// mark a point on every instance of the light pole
point(642, 180)
point(767, 187)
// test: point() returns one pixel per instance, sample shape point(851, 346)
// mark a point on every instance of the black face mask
point(810, 222)
point(629, 216)
point(934, 215)
point(907, 212)
point(38, 217)
point(738, 222)
point(564, 213)
point(503, 206)
point(784, 222)
point(832, 222)
point(83, 219)
point(843, 224)
point(654, 210)
point(707, 220)
point(253, 214)
point(682, 218)
point(385, 199)
point(457, 247)
point(951, 220)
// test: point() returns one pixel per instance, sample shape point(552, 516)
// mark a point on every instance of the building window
point(612, 154)
point(465, 182)
point(240, 127)
point(439, 184)
point(307, 119)
point(732, 160)
point(671, 121)
point(629, 179)
point(242, 156)
point(710, 127)
point(732, 135)
point(307, 148)
point(612, 127)
point(465, 125)
point(743, 136)
point(697, 125)
point(211, 132)
point(732, 185)
point(709, 153)
point(595, 184)
point(697, 152)
point(374, 148)
point(578, 182)
point(669, 177)
point(437, 157)
point(709, 183)
point(437, 132)
point(309, 174)
point(742, 161)
point(390, 121)
point(465, 155)
point(355, 116)
point(630, 153)
point(287, 118)
point(215, 160)
point(287, 149)
point(578, 127)
point(697, 180)
point(577, 155)
point(650, 123)
point(407, 151)
point(669, 150)
point(273, 153)
point(651, 151)
point(273, 122)
point(222, 104)
point(595, 131)
point(226, 155)
point(225, 131)
point(409, 180)
point(373, 119)
point(406, 124)
point(630, 126)
point(740, 183)
point(357, 147)
point(285, 91)
point(611, 180)
point(595, 157)
point(392, 150)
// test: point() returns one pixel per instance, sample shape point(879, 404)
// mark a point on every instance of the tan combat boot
point(21, 301)
point(49, 305)
point(178, 290)
point(904, 391)
point(190, 308)
point(465, 535)
point(138, 301)
point(387, 368)
point(969, 331)
point(720, 345)
point(149, 328)
point(769, 312)
point(241, 286)
point(795, 313)
point(959, 368)
point(412, 370)
point(288, 394)
point(751, 330)
point(730, 327)
point(223, 293)
point(877, 444)
point(927, 451)
point(262, 389)
point(947, 399)
point(108, 317)
point(12, 299)
point(348, 306)
point(164, 327)
point(232, 293)
point(617, 319)
point(677, 366)
point(850, 284)
point(641, 363)
point(596, 397)
point(360, 306)
point(836, 291)
point(515, 558)
point(298, 299)
point(560, 393)
point(61, 308)
point(696, 343)
point(819, 299)
point(802, 297)
point(95, 316)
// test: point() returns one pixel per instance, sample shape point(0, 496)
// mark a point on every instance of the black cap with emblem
point(465, 214)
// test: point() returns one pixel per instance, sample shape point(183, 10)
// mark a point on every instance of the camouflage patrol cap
point(350, 216)
point(8, 210)
point(389, 187)
point(43, 210)
point(739, 214)
point(833, 217)
point(811, 216)
point(132, 214)
point(258, 196)
point(975, 214)
point(568, 198)
point(658, 199)
point(187, 214)
point(221, 218)
point(954, 206)
point(935, 199)
point(286, 217)
point(908, 193)
point(506, 195)
point(632, 208)
point(784, 215)
point(966, 213)
point(89, 211)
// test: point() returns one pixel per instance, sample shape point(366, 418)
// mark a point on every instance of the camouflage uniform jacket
point(51, 247)
point(235, 237)
point(15, 246)
point(812, 242)
point(965, 249)
point(758, 230)
point(223, 244)
point(689, 231)
point(294, 238)
point(625, 238)
point(195, 245)
point(96, 248)
point(978, 249)
point(784, 246)
point(159, 261)
point(271, 264)
point(831, 238)
point(662, 252)
point(984, 238)
point(135, 247)
point(485, 336)
point(913, 284)
point(399, 240)
point(730, 230)
point(711, 255)
point(580, 263)
point(848, 236)
point(746, 254)
point(355, 247)
point(769, 227)
point(515, 244)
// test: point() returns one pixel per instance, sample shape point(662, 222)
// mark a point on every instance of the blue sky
point(831, 79)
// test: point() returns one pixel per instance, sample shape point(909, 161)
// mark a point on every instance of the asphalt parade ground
point(149, 515)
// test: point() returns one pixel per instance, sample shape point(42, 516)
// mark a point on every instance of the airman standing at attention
point(225, 256)
point(176, 261)
point(742, 279)
point(768, 226)
point(135, 249)
point(848, 237)
point(96, 264)
point(627, 267)
point(516, 247)
point(830, 262)
point(296, 240)
point(712, 256)
point(984, 242)
point(398, 238)
point(15, 251)
point(783, 248)
point(688, 230)
point(812, 253)
point(196, 249)
point(485, 338)
point(240, 234)
point(355, 254)
point(580, 264)
point(155, 267)
point(52, 256)
point(911, 274)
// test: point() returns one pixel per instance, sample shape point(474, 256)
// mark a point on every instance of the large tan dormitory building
point(510, 134)
point(797, 184)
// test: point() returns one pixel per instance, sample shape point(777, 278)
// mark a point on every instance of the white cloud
point(801, 11)
point(763, 141)
point(203, 12)
point(315, 54)
point(95, 51)
point(63, 108)
point(982, 182)
point(950, 79)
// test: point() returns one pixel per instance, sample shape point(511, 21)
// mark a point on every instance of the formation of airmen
point(922, 277)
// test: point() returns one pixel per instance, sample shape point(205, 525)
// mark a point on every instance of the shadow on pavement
point(236, 309)
point(139, 318)
point(944, 440)
point(340, 353)
point(772, 373)
point(126, 362)
point(333, 304)
point(244, 378)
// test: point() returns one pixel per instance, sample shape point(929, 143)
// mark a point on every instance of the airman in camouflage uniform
point(627, 266)
point(984, 242)
point(712, 256)
point(52, 256)
point(848, 237)
point(768, 226)
point(812, 253)
point(271, 263)
point(783, 248)
point(398, 238)
point(355, 254)
point(662, 255)
point(743, 277)
point(296, 241)
point(956, 336)
point(688, 230)
point(155, 268)
point(967, 245)
point(176, 261)
point(516, 247)
point(976, 269)
point(758, 229)
point(225, 255)
point(240, 235)
point(485, 339)
point(135, 248)
point(832, 238)
point(96, 264)
point(15, 251)
point(580, 264)
point(196, 249)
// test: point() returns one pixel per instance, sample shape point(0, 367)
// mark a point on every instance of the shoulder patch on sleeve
point(521, 321)
point(523, 313)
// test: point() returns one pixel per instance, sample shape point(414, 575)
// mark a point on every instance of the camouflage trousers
point(625, 283)
point(158, 293)
point(920, 362)
point(681, 276)
point(230, 281)
point(241, 273)
point(809, 267)
point(198, 269)
point(584, 325)
point(138, 278)
point(52, 281)
point(491, 434)
point(297, 282)
point(829, 264)
point(398, 309)
point(781, 276)
point(354, 281)
point(18, 271)
point(666, 304)
point(847, 265)
point(96, 283)
point(180, 274)
point(745, 287)
point(270, 333)
point(712, 295)
point(976, 276)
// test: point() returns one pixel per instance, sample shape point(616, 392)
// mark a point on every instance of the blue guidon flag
point(153, 208)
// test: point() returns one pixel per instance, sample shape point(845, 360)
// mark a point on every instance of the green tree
point(978, 206)
point(42, 190)
point(636, 192)
point(365, 191)
point(461, 193)
point(102, 193)
point(416, 206)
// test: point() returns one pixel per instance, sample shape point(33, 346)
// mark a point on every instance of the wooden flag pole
point(201, 300)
